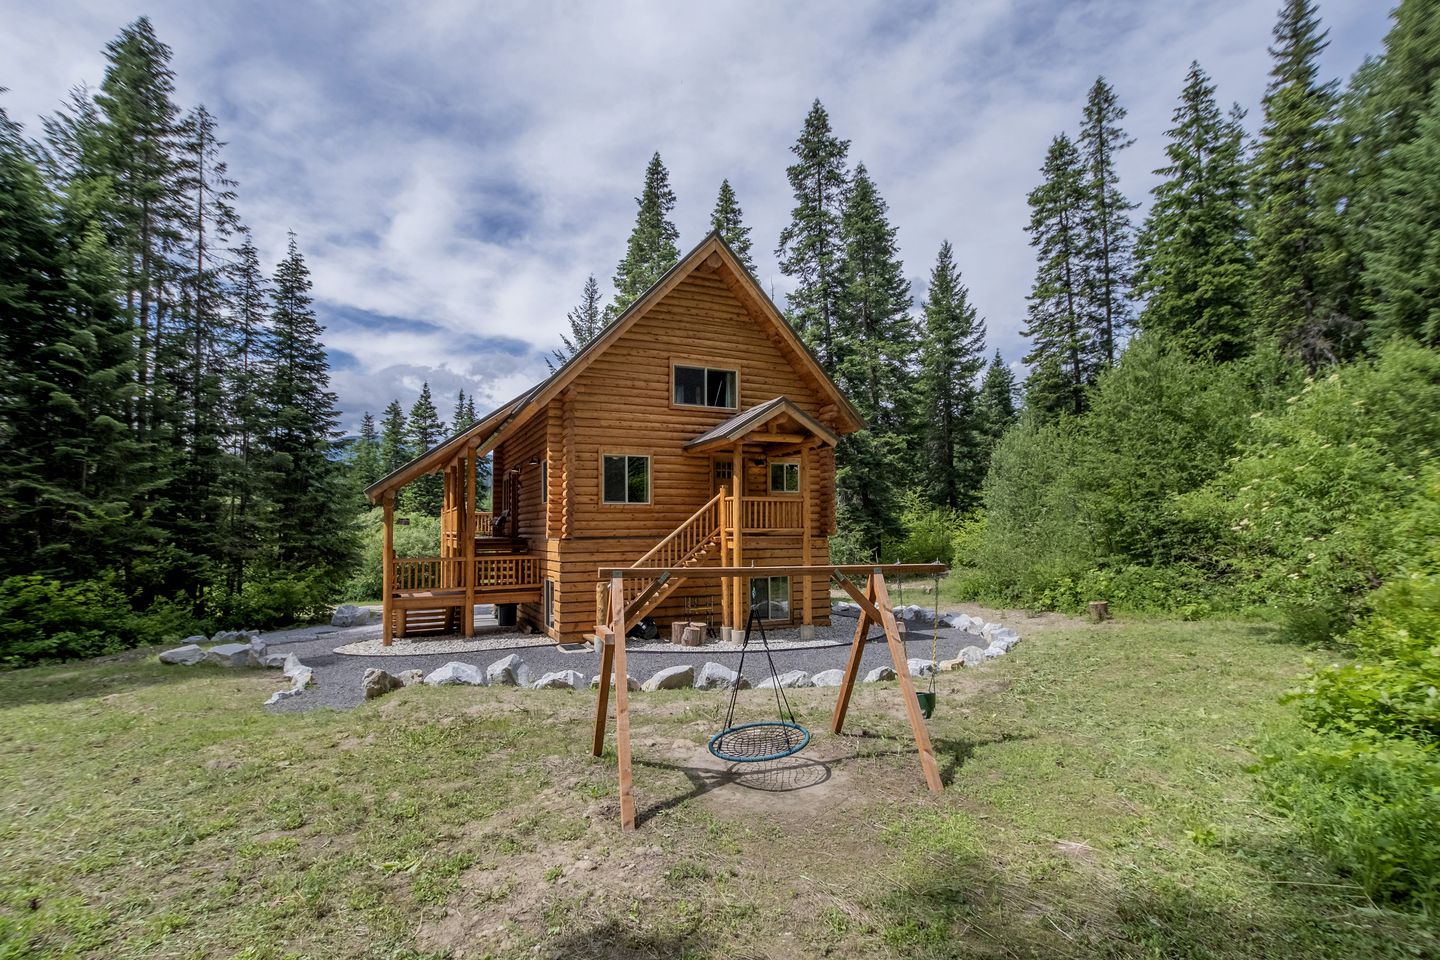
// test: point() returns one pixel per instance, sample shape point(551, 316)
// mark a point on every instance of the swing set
point(758, 741)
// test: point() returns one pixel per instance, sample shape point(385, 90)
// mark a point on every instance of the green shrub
point(416, 535)
point(929, 532)
point(282, 598)
point(43, 620)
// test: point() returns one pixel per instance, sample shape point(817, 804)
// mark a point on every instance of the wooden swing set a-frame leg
point(875, 609)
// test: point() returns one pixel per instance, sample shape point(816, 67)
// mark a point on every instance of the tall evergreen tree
point(729, 221)
point(1297, 255)
point(424, 494)
point(247, 410)
point(464, 413)
point(811, 246)
point(366, 462)
point(996, 403)
point(395, 449)
point(951, 356)
point(873, 344)
point(586, 321)
point(1403, 268)
point(309, 528)
point(1107, 220)
point(1063, 346)
point(1193, 250)
point(652, 248)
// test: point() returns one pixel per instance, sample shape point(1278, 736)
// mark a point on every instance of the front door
point(722, 472)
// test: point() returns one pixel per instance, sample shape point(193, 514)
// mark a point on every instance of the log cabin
point(696, 428)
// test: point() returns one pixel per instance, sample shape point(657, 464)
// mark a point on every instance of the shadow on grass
point(612, 940)
point(952, 753)
point(103, 677)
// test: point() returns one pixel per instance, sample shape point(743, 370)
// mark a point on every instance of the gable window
point(704, 387)
point(626, 479)
point(784, 476)
point(770, 597)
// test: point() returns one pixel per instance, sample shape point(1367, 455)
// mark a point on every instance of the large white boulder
point(455, 672)
point(971, 656)
point(350, 615)
point(258, 652)
point(188, 655)
point(411, 677)
point(717, 676)
point(880, 673)
point(993, 651)
point(845, 608)
point(787, 680)
point(921, 668)
point(508, 671)
point(828, 678)
point(671, 678)
point(561, 680)
point(230, 654)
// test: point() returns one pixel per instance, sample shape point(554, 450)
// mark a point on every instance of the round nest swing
point(759, 740)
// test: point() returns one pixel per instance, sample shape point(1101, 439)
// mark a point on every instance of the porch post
point(387, 570)
point(807, 622)
point(739, 604)
point(467, 550)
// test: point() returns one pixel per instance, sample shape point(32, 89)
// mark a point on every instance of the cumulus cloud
point(454, 170)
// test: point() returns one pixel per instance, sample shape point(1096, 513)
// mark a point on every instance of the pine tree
point(951, 356)
point(651, 250)
point(728, 220)
point(394, 439)
point(873, 341)
point(1297, 256)
point(366, 461)
point(1109, 243)
point(425, 495)
point(464, 414)
point(1193, 250)
point(1403, 268)
point(811, 247)
point(996, 403)
point(309, 526)
point(246, 412)
point(1063, 347)
point(586, 321)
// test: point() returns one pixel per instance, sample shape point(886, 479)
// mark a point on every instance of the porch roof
point(743, 426)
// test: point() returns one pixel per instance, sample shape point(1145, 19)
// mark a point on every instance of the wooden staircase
point(686, 546)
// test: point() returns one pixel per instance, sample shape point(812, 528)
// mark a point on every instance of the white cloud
point(466, 165)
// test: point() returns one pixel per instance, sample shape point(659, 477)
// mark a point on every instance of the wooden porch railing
point(420, 574)
point(484, 525)
point(766, 514)
point(493, 572)
point(684, 541)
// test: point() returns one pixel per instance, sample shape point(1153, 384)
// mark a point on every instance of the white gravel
point(784, 638)
point(422, 646)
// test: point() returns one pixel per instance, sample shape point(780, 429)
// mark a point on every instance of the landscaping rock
point(921, 668)
point(945, 666)
point(274, 661)
point(233, 636)
point(845, 609)
point(377, 683)
point(300, 678)
point(993, 651)
point(455, 672)
point(350, 615)
point(411, 677)
point(787, 680)
point(971, 656)
point(671, 678)
point(279, 695)
point(631, 684)
point(197, 639)
point(992, 631)
point(508, 672)
point(230, 654)
point(258, 653)
point(717, 676)
point(561, 680)
point(293, 665)
point(188, 655)
point(828, 678)
point(880, 673)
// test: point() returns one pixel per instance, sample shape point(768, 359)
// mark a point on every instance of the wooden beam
point(387, 571)
point(901, 659)
point(857, 650)
point(807, 617)
point(740, 603)
point(467, 530)
point(622, 701)
point(602, 703)
point(781, 570)
point(726, 587)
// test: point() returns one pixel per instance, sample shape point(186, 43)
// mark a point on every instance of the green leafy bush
point(416, 535)
point(43, 620)
point(282, 598)
point(929, 532)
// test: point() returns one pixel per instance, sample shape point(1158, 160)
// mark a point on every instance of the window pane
point(720, 388)
point(690, 385)
point(760, 596)
point(792, 478)
point(614, 479)
point(639, 468)
point(779, 598)
point(777, 476)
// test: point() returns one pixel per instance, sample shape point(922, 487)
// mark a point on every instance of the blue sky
point(454, 169)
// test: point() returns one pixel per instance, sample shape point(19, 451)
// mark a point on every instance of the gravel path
point(337, 676)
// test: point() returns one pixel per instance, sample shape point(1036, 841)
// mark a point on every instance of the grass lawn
point(1097, 806)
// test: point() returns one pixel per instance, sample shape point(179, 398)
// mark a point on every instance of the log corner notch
point(875, 608)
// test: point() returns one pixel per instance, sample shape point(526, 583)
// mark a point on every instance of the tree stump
point(694, 635)
point(1099, 611)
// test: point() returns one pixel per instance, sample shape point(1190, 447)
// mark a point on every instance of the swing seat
point(759, 741)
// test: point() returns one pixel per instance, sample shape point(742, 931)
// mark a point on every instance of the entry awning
point(774, 421)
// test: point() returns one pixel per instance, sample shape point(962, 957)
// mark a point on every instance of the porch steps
point(428, 620)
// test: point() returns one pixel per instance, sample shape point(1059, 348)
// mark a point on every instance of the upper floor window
point(626, 479)
point(704, 387)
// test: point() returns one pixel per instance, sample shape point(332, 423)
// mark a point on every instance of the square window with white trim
point(784, 476)
point(770, 597)
point(626, 479)
point(704, 387)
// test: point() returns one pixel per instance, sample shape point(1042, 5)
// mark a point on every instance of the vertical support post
point(857, 652)
point(740, 603)
point(622, 700)
point(602, 703)
point(807, 622)
point(467, 532)
point(726, 587)
point(387, 571)
point(907, 688)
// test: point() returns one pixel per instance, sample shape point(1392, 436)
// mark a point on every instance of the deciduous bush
point(416, 535)
point(44, 620)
